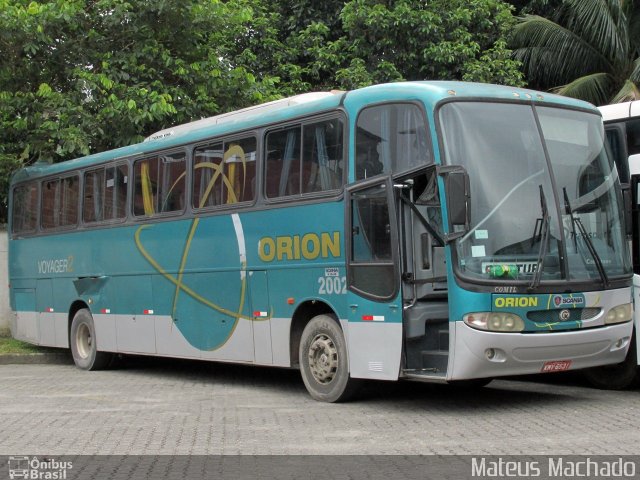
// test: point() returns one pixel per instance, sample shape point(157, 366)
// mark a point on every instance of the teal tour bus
point(428, 231)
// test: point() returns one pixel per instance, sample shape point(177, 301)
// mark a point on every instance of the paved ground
point(172, 407)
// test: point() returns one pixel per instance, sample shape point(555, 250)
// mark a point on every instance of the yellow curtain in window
point(237, 191)
point(147, 190)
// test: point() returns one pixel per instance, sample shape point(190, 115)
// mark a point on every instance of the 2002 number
point(329, 285)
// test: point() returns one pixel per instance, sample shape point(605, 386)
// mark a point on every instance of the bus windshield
point(544, 199)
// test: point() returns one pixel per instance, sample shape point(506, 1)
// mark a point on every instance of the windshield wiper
point(544, 239)
point(569, 210)
point(587, 239)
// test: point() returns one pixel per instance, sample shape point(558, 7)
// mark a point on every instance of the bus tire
point(619, 376)
point(82, 339)
point(323, 361)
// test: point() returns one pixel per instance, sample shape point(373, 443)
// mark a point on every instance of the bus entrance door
point(375, 310)
point(424, 275)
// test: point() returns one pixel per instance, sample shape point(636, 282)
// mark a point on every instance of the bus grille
point(548, 316)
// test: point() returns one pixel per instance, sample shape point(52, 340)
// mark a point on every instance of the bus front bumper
point(481, 354)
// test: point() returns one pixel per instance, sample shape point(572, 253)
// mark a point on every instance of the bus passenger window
point(283, 163)
point(159, 185)
point(615, 141)
point(224, 173)
point(115, 192)
point(50, 204)
point(207, 184)
point(24, 208)
point(322, 156)
point(69, 201)
point(60, 203)
point(93, 201)
point(633, 137)
point(146, 188)
point(171, 196)
point(105, 194)
point(305, 159)
point(239, 170)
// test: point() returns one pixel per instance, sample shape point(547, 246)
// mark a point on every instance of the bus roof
point(431, 92)
point(618, 111)
point(240, 115)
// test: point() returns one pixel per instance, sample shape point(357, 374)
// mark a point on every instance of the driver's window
point(391, 138)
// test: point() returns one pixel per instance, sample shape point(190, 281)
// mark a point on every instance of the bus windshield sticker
point(523, 267)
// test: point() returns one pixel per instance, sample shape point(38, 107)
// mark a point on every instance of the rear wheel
point(323, 361)
point(83, 343)
point(618, 376)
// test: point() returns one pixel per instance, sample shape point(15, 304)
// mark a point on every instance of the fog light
point(490, 353)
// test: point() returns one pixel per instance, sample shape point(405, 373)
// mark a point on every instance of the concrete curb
point(61, 358)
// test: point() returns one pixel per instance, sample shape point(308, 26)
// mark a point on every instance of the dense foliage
point(374, 41)
point(82, 76)
point(588, 49)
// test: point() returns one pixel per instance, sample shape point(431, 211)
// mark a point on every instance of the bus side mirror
point(456, 183)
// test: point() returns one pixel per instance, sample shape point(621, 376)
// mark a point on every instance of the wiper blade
point(587, 240)
point(569, 210)
point(544, 240)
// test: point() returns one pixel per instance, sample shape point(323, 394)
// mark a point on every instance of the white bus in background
point(622, 127)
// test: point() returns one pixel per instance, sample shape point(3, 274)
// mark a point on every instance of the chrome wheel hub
point(323, 358)
point(84, 340)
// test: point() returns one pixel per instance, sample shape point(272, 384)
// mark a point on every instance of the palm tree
point(588, 50)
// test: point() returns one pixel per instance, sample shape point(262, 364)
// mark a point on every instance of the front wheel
point(82, 339)
point(618, 376)
point(323, 361)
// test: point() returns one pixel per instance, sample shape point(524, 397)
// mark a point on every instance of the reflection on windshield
point(513, 236)
point(587, 183)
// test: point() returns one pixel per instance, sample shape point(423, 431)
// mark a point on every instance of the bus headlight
point(494, 322)
point(621, 313)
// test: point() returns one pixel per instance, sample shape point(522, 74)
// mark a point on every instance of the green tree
point(406, 40)
point(360, 42)
point(81, 76)
point(589, 49)
point(544, 8)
